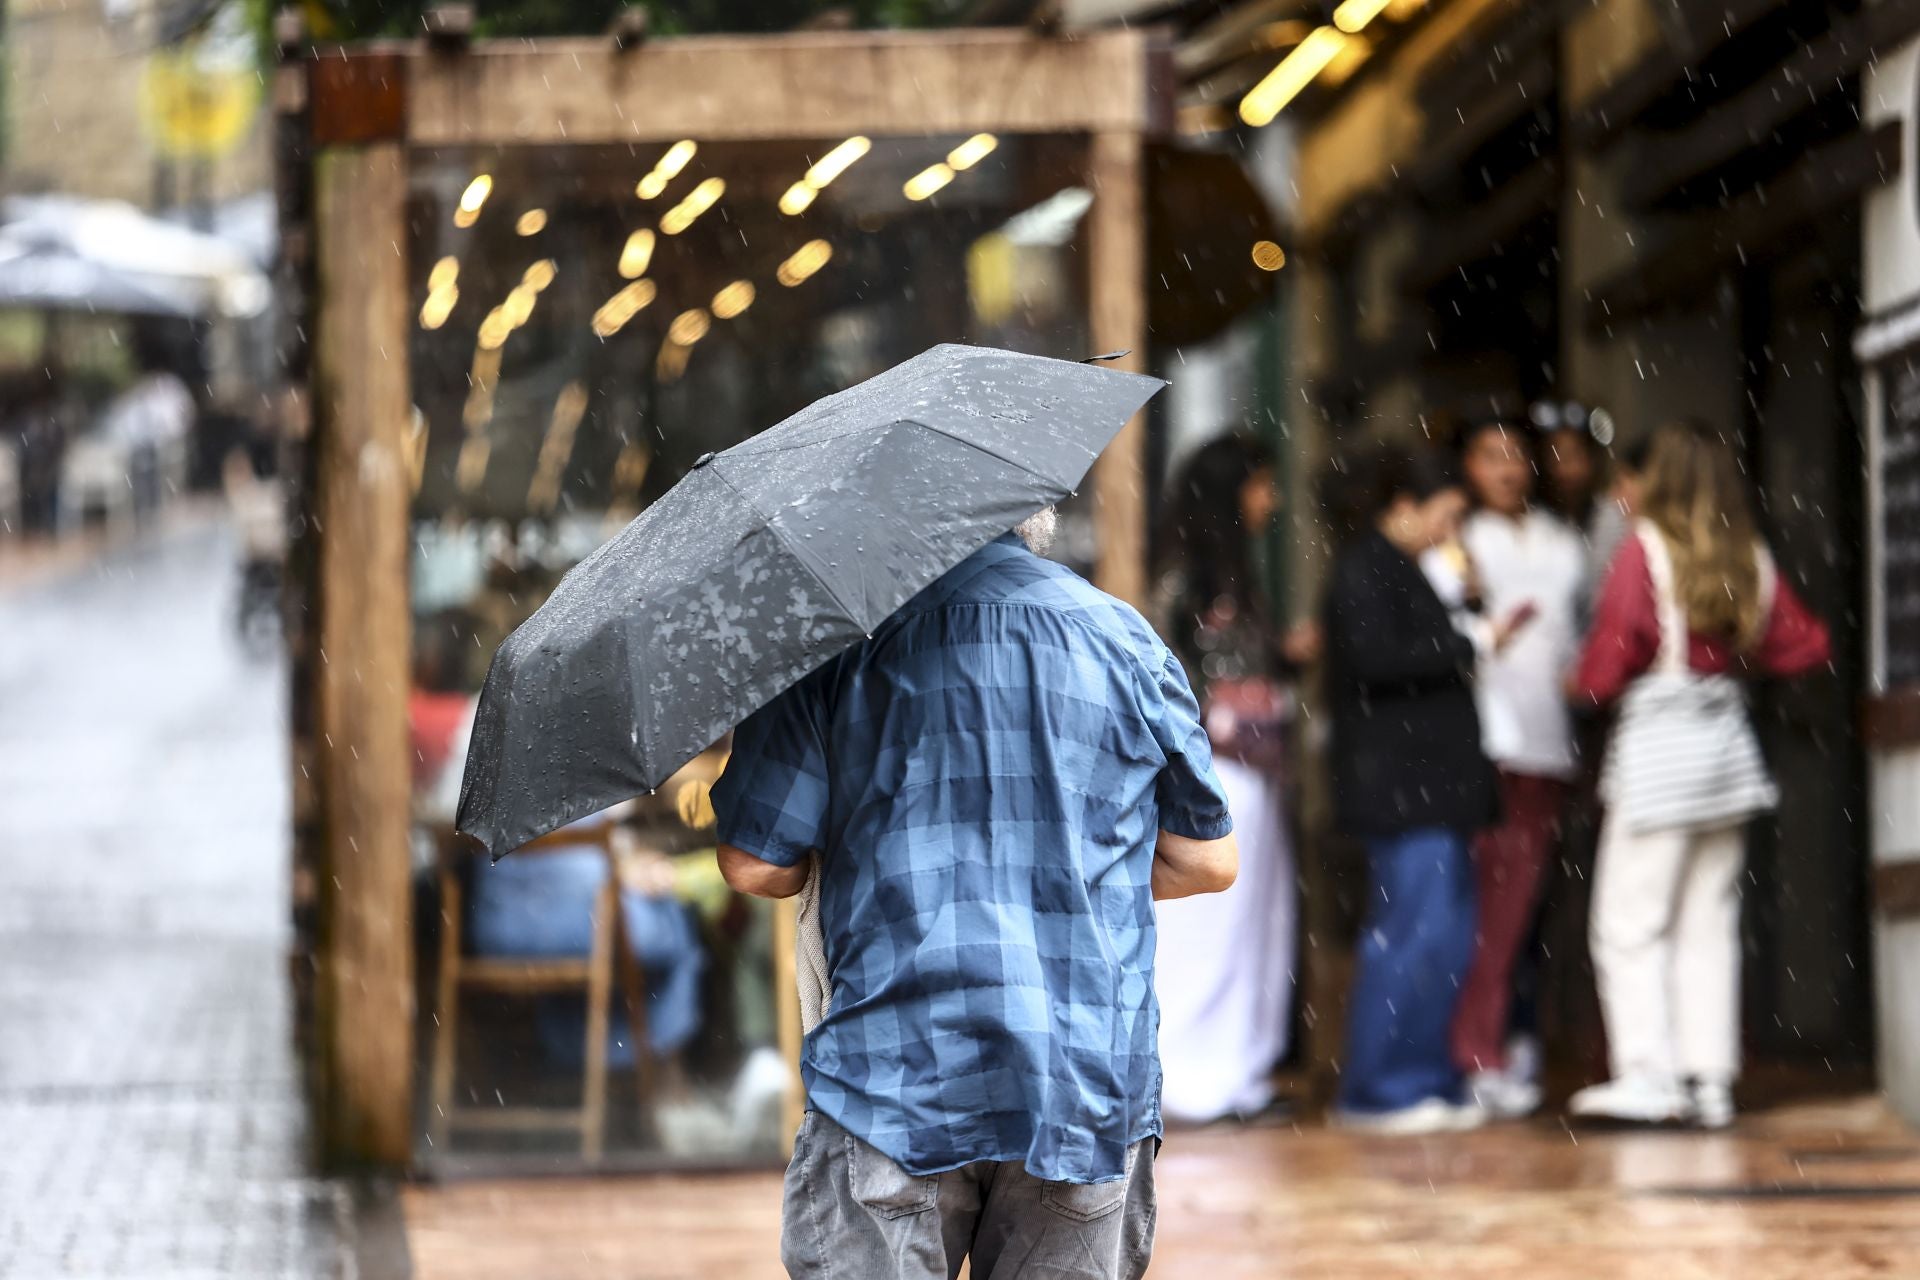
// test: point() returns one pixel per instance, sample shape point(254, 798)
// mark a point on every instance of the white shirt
point(1536, 559)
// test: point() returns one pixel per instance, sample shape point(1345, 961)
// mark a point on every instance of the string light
point(531, 223)
point(666, 169)
point(1268, 256)
point(805, 260)
point(444, 273)
point(836, 162)
point(696, 202)
point(733, 299)
point(797, 198)
point(472, 199)
point(927, 181)
point(689, 327)
point(1353, 16)
point(636, 254)
point(1294, 73)
point(972, 151)
point(438, 306)
point(622, 307)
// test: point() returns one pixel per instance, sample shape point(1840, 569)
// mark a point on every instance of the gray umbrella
point(762, 563)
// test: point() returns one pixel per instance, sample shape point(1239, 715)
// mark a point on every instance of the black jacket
point(1406, 737)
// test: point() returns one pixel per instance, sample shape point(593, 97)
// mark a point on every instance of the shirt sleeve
point(1625, 637)
point(1191, 801)
point(1795, 640)
point(772, 799)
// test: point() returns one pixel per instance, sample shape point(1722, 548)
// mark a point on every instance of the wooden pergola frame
point(350, 118)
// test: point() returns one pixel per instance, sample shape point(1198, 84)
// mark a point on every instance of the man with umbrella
point(992, 768)
point(992, 789)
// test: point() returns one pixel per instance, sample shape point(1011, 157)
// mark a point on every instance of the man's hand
point(745, 873)
point(1183, 867)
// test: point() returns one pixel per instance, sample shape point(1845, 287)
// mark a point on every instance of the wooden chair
point(592, 974)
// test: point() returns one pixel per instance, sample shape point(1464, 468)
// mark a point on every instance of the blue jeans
point(1415, 946)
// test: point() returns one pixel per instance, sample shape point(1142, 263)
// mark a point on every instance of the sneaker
point(1633, 1100)
point(1429, 1115)
point(1503, 1095)
point(1712, 1104)
point(1523, 1058)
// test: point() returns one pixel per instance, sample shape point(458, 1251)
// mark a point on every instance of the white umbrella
point(118, 236)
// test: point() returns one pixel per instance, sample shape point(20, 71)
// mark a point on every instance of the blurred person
point(1528, 568)
point(1693, 601)
point(1224, 973)
point(1412, 783)
point(990, 793)
point(1576, 485)
point(258, 509)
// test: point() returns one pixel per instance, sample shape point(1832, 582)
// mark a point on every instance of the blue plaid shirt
point(985, 778)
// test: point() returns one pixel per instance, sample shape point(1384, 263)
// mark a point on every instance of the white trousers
point(1223, 968)
point(1665, 933)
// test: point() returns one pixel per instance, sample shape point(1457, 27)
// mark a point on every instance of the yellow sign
point(195, 106)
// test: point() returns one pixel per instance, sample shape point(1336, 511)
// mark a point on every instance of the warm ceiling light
point(1295, 72)
point(837, 161)
point(444, 273)
point(677, 157)
point(495, 330)
point(1268, 256)
point(622, 307)
point(438, 306)
point(697, 202)
point(531, 223)
point(689, 327)
point(540, 274)
point(468, 211)
point(797, 198)
point(927, 181)
point(666, 169)
point(972, 151)
point(806, 260)
point(733, 299)
point(518, 307)
point(636, 254)
point(1346, 62)
point(1353, 15)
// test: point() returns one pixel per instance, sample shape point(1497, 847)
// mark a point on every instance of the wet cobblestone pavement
point(150, 1116)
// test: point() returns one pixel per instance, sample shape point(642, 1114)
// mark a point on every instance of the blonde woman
point(1692, 604)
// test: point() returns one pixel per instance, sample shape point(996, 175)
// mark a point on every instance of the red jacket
point(1625, 637)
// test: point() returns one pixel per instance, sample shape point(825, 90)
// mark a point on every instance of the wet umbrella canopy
point(764, 562)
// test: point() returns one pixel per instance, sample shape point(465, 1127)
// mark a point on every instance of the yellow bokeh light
point(689, 327)
point(622, 307)
point(927, 181)
point(468, 211)
point(531, 223)
point(677, 157)
point(444, 273)
point(495, 330)
point(1353, 15)
point(540, 274)
point(972, 151)
point(438, 306)
point(518, 307)
point(636, 254)
point(696, 202)
point(805, 260)
point(733, 299)
point(797, 198)
point(837, 161)
point(1268, 256)
point(1295, 72)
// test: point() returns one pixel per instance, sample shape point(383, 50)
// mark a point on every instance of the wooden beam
point(1471, 233)
point(805, 85)
point(361, 405)
point(1117, 276)
point(1751, 117)
point(1598, 120)
point(1825, 178)
point(357, 99)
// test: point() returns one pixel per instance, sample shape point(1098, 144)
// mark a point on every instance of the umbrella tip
point(1111, 355)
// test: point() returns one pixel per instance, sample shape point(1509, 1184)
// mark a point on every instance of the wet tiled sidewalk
point(151, 1122)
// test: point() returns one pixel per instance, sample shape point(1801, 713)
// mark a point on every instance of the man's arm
point(1183, 866)
point(745, 873)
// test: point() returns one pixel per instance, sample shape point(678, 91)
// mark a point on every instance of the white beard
point(1038, 529)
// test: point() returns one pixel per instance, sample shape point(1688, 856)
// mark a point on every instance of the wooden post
point(361, 400)
point(1117, 266)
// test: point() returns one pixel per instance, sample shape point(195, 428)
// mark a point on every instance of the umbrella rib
point(767, 520)
point(975, 444)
